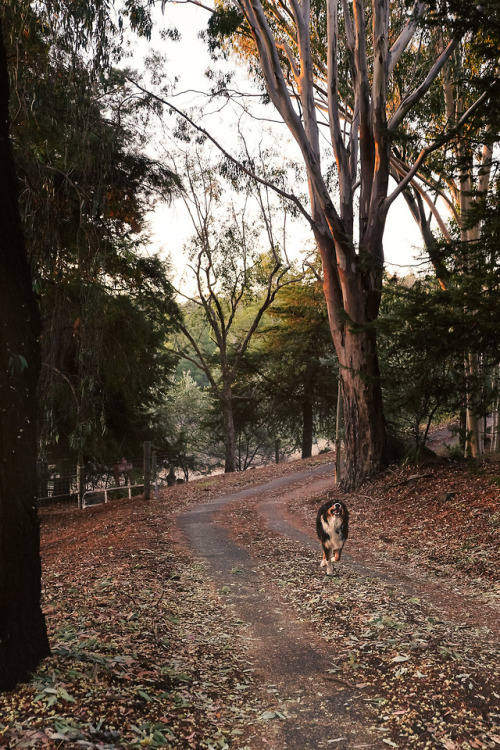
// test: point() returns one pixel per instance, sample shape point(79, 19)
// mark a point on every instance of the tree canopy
point(86, 188)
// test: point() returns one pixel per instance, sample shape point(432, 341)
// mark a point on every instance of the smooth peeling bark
point(364, 425)
point(354, 91)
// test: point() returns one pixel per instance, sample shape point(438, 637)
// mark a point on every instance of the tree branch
point(445, 138)
point(288, 196)
point(201, 364)
point(405, 37)
point(413, 98)
point(338, 144)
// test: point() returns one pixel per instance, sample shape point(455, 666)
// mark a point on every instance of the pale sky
point(188, 60)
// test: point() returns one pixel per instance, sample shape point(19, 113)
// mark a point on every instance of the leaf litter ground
point(147, 653)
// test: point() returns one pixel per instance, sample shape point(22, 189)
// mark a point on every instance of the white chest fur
point(333, 527)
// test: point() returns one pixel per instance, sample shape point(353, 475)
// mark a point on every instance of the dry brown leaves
point(146, 654)
point(143, 652)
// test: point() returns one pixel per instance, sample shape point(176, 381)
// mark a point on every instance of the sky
point(188, 60)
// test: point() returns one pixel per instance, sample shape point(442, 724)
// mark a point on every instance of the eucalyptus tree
point(236, 259)
point(83, 205)
point(346, 79)
point(419, 334)
point(292, 371)
point(104, 367)
point(184, 415)
point(426, 331)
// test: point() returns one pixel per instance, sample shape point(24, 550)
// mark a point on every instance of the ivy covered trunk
point(23, 635)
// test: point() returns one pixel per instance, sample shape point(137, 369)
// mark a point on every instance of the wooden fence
point(90, 484)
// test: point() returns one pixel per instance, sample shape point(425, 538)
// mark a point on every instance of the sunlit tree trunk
point(23, 636)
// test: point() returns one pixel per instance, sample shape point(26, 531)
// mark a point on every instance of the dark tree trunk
point(307, 417)
point(23, 635)
point(229, 431)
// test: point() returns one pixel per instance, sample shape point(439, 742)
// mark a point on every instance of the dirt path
point(201, 620)
point(321, 708)
point(288, 658)
point(452, 599)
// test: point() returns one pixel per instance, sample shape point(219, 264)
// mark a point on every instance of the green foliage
point(91, 28)
point(104, 367)
point(238, 268)
point(292, 369)
point(418, 377)
point(184, 414)
point(86, 187)
point(222, 24)
point(85, 184)
point(425, 335)
point(288, 372)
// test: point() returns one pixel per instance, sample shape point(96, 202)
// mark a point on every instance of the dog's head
point(337, 510)
point(333, 519)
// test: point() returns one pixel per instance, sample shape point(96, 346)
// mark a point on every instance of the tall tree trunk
point(229, 431)
point(354, 337)
point(307, 421)
point(23, 635)
point(474, 437)
point(495, 427)
point(362, 122)
point(364, 424)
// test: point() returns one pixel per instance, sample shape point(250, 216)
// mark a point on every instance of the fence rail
point(107, 490)
point(61, 481)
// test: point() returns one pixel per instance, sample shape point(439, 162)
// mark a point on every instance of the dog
point(332, 527)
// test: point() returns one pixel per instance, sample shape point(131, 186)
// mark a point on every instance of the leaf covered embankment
point(144, 654)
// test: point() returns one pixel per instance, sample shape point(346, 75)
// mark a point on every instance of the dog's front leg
point(328, 561)
point(334, 556)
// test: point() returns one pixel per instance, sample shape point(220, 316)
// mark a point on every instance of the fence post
point(147, 469)
point(80, 479)
point(154, 470)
